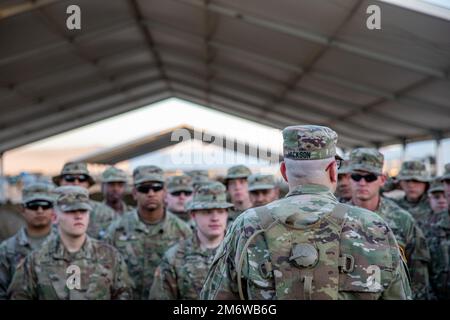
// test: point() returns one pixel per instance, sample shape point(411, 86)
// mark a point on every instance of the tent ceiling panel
point(300, 14)
point(250, 37)
point(277, 63)
point(315, 83)
point(424, 38)
point(373, 73)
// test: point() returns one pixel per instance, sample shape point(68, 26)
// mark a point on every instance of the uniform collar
point(311, 189)
point(22, 237)
point(60, 252)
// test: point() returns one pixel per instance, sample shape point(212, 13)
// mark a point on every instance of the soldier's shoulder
point(397, 211)
point(8, 244)
point(103, 248)
point(177, 223)
point(368, 220)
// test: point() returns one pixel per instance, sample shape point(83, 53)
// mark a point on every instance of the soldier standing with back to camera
point(307, 245)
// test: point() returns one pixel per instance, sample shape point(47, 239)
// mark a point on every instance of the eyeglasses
point(368, 177)
point(72, 177)
point(145, 188)
point(36, 205)
point(178, 193)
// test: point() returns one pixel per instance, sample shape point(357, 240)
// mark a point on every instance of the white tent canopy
point(274, 62)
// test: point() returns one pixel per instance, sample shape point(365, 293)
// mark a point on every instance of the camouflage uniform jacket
point(100, 218)
point(12, 251)
point(182, 271)
point(125, 206)
point(440, 262)
point(419, 210)
point(44, 274)
point(233, 214)
point(412, 240)
point(186, 217)
point(143, 245)
point(364, 235)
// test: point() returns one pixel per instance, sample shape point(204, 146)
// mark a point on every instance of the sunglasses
point(178, 193)
point(368, 177)
point(145, 188)
point(72, 177)
point(36, 205)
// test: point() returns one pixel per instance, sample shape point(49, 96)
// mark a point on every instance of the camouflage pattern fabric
point(237, 172)
point(113, 174)
point(186, 217)
point(209, 196)
point(303, 217)
point(309, 142)
point(143, 174)
point(74, 168)
point(260, 181)
point(43, 274)
point(419, 210)
point(413, 170)
point(446, 174)
point(143, 245)
point(367, 159)
point(439, 242)
point(411, 240)
point(126, 208)
point(179, 183)
point(12, 251)
point(182, 271)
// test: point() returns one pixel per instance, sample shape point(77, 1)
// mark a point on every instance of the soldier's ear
point(333, 173)
point(283, 171)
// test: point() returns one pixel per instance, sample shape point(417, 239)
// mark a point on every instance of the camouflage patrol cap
point(367, 159)
point(113, 174)
point(199, 177)
point(260, 181)
point(446, 174)
point(143, 174)
point(309, 142)
point(38, 191)
point(74, 168)
point(209, 196)
point(236, 172)
point(413, 170)
point(179, 183)
point(436, 186)
point(345, 167)
point(70, 198)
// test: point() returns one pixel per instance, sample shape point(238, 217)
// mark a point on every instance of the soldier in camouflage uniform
point(414, 180)
point(144, 234)
point(262, 189)
point(237, 187)
point(77, 174)
point(445, 179)
point(38, 202)
point(438, 202)
point(308, 245)
point(367, 179)
point(70, 265)
point(184, 267)
point(343, 190)
point(439, 238)
point(179, 192)
point(114, 183)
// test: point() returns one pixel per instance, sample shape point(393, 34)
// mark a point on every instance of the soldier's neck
point(242, 205)
point(72, 244)
point(38, 232)
point(151, 216)
point(117, 206)
point(209, 243)
point(370, 204)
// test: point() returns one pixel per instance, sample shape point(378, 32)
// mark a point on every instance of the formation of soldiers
point(336, 234)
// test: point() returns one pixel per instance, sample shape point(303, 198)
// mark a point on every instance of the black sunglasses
point(178, 193)
point(36, 205)
point(73, 177)
point(145, 188)
point(368, 177)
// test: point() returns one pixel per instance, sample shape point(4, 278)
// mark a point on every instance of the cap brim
point(140, 181)
point(417, 178)
point(261, 187)
point(37, 198)
point(175, 189)
point(209, 205)
point(75, 206)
